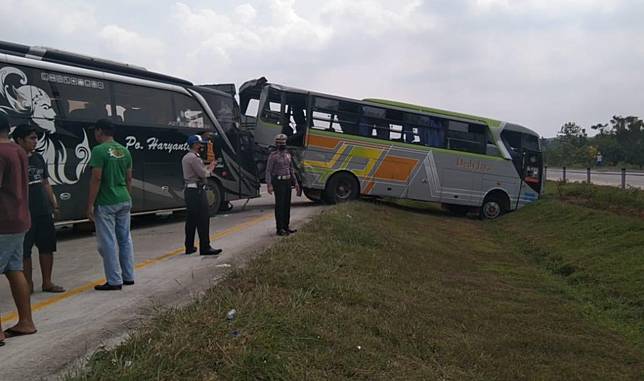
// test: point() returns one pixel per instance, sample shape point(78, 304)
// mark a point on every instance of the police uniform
point(195, 175)
point(281, 175)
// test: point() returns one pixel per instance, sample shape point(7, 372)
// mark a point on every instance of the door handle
point(165, 188)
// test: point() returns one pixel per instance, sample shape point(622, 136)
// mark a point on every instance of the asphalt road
point(599, 177)
point(76, 323)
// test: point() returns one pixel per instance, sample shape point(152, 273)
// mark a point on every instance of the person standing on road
point(195, 176)
point(109, 205)
point(14, 222)
point(280, 177)
point(41, 203)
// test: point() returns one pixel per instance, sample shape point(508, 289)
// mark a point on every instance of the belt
point(194, 186)
point(287, 177)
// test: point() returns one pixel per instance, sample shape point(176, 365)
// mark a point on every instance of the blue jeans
point(112, 229)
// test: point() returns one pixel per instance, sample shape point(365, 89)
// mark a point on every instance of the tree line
point(620, 142)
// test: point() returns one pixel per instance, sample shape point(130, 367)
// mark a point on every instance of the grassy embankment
point(554, 291)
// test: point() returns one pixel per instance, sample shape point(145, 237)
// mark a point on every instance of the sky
point(539, 63)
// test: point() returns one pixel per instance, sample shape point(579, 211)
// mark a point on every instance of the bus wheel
point(215, 197)
point(341, 187)
point(492, 208)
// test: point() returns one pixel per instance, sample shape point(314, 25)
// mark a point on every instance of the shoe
point(291, 231)
point(282, 232)
point(211, 251)
point(128, 282)
point(190, 250)
point(107, 287)
point(54, 289)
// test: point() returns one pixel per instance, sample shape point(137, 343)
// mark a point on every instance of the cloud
point(551, 7)
point(125, 44)
point(377, 17)
point(34, 17)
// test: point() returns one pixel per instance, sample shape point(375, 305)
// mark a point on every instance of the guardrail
point(621, 178)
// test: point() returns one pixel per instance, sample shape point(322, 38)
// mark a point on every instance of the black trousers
point(282, 192)
point(197, 218)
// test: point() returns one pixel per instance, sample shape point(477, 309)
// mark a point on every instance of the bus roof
point(83, 61)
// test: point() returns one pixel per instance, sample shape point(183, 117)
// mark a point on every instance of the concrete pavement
point(76, 323)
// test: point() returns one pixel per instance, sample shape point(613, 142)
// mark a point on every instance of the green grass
point(375, 292)
point(629, 201)
point(599, 256)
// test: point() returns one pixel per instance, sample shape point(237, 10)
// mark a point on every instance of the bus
point(63, 94)
point(345, 148)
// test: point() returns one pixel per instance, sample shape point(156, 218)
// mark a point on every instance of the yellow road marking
point(146, 263)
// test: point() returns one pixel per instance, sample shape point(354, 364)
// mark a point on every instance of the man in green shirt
point(109, 206)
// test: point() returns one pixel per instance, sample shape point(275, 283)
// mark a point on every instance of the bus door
point(533, 170)
point(248, 181)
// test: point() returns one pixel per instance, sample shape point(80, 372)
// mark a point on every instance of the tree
point(629, 134)
point(573, 141)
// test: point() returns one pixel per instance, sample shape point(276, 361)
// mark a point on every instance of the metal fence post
point(564, 174)
point(623, 178)
point(545, 172)
point(588, 175)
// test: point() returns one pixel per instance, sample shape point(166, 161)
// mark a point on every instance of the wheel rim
point(343, 190)
point(491, 209)
point(211, 196)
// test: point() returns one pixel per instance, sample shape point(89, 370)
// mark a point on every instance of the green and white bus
point(345, 148)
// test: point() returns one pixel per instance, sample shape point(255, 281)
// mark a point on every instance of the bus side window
point(394, 126)
point(144, 106)
point(348, 117)
point(252, 108)
point(372, 122)
point(271, 112)
point(324, 114)
point(466, 137)
point(71, 102)
point(189, 113)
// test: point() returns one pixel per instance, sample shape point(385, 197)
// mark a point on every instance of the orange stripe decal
point(323, 141)
point(396, 168)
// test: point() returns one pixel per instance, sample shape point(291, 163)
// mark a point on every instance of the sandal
point(9, 333)
point(54, 289)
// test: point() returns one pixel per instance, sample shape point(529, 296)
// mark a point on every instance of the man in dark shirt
point(14, 222)
point(41, 203)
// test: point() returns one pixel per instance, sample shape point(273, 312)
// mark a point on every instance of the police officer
point(195, 174)
point(280, 177)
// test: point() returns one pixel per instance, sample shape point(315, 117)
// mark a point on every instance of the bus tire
point(342, 187)
point(215, 196)
point(494, 205)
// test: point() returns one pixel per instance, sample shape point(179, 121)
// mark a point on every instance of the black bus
point(63, 94)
